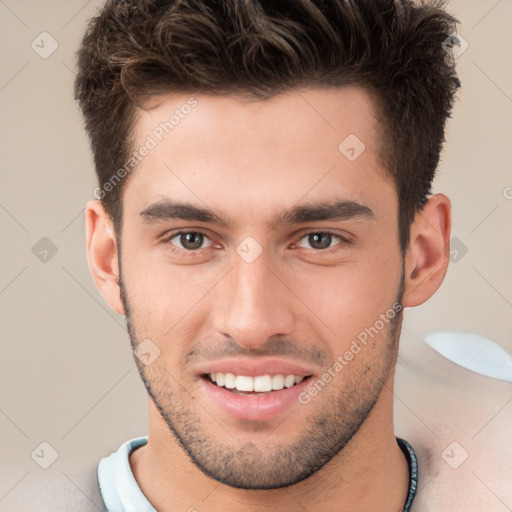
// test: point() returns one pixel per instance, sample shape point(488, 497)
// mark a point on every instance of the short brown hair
point(260, 48)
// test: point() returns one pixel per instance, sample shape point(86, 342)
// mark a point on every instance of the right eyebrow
point(165, 210)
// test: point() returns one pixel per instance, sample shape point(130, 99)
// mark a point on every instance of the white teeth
point(289, 381)
point(243, 383)
point(263, 383)
point(277, 382)
point(230, 380)
point(259, 384)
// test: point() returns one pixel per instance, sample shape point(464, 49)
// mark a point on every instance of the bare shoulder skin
point(459, 424)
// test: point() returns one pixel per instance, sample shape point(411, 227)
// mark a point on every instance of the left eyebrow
point(337, 210)
point(313, 212)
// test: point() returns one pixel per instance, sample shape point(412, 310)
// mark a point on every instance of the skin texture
point(249, 162)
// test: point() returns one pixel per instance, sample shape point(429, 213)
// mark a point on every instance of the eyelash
point(343, 241)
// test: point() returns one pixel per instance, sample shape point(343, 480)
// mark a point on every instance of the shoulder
point(60, 488)
point(71, 482)
point(458, 423)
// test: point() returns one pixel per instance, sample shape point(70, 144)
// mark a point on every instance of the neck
point(370, 473)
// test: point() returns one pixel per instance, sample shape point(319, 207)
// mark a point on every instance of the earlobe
point(428, 254)
point(102, 254)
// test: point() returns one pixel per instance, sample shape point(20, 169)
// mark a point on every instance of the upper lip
point(255, 367)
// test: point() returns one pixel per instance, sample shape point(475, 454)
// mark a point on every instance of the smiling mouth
point(258, 385)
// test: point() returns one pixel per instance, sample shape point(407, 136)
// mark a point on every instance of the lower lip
point(254, 407)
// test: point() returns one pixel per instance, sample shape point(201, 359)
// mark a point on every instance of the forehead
point(305, 143)
point(299, 113)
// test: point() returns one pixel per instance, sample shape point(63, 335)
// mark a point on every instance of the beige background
point(67, 375)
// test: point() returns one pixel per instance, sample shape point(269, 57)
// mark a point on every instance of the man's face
point(262, 295)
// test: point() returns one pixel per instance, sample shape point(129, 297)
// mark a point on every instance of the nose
point(253, 303)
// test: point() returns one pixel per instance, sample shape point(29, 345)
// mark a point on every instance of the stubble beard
point(336, 418)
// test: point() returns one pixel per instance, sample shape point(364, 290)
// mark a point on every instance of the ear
point(102, 254)
point(428, 254)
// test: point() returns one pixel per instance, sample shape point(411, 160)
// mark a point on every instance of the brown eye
point(188, 240)
point(321, 240)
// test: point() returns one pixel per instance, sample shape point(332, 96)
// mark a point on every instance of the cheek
point(165, 300)
point(351, 297)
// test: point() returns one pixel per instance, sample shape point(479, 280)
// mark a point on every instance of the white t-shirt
point(121, 493)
